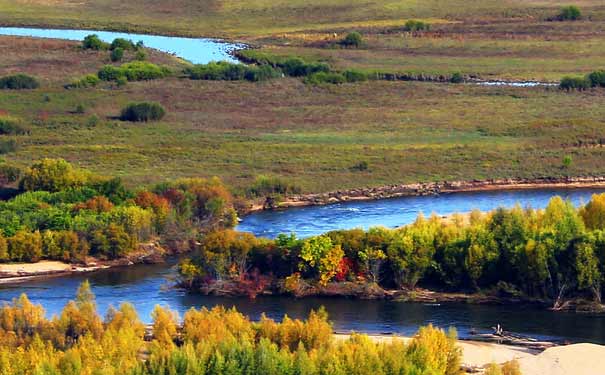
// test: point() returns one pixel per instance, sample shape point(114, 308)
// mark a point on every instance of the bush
point(80, 109)
point(140, 56)
point(94, 42)
point(9, 174)
point(361, 166)
point(597, 79)
point(133, 71)
point(574, 83)
point(89, 80)
point(226, 71)
point(323, 77)
point(117, 54)
point(355, 76)
point(11, 126)
point(268, 186)
point(7, 145)
point(570, 13)
point(413, 25)
point(124, 44)
point(296, 67)
point(19, 82)
point(353, 39)
point(143, 112)
point(457, 78)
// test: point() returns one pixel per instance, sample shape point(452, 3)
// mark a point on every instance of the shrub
point(361, 166)
point(323, 77)
point(89, 80)
point(8, 145)
point(355, 76)
point(567, 161)
point(19, 82)
point(570, 13)
point(9, 174)
point(457, 78)
point(574, 83)
point(597, 79)
point(413, 25)
point(133, 71)
point(353, 39)
point(11, 126)
point(80, 109)
point(117, 54)
point(226, 71)
point(296, 67)
point(94, 42)
point(140, 56)
point(143, 112)
point(124, 44)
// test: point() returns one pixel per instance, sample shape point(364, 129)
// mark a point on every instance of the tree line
point(548, 254)
point(217, 341)
point(65, 213)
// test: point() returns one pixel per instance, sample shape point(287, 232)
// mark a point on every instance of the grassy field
point(315, 136)
point(311, 135)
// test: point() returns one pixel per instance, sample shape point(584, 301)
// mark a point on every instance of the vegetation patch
point(133, 71)
point(226, 71)
point(19, 82)
point(143, 112)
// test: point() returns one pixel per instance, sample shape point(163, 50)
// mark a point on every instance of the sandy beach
point(576, 359)
point(20, 272)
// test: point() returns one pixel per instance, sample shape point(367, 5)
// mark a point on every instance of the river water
point(195, 50)
point(148, 285)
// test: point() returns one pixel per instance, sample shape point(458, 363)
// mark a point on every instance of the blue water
point(195, 50)
point(310, 221)
point(148, 285)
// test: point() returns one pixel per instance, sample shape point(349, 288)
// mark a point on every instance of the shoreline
point(17, 273)
point(424, 189)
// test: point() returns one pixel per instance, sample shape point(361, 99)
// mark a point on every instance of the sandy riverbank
point(21, 272)
point(576, 359)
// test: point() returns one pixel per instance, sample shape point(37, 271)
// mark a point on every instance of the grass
point(310, 135)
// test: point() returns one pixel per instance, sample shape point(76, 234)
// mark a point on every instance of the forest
point(548, 255)
point(63, 213)
point(210, 342)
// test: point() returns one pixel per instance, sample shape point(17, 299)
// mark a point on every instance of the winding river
point(148, 285)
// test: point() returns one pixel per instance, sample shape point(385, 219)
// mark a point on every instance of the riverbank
point(424, 189)
point(15, 273)
point(576, 359)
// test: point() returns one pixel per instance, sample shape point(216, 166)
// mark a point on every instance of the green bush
point(89, 80)
point(11, 126)
point(94, 42)
point(570, 13)
point(140, 55)
point(574, 83)
point(355, 76)
point(226, 71)
point(353, 39)
point(143, 112)
point(7, 146)
point(457, 78)
point(413, 25)
point(323, 77)
point(133, 71)
point(19, 82)
point(117, 54)
point(296, 67)
point(597, 79)
point(124, 44)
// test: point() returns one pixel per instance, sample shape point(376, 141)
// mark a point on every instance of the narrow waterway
point(195, 50)
point(148, 285)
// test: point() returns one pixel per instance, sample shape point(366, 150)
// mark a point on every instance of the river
point(195, 50)
point(148, 285)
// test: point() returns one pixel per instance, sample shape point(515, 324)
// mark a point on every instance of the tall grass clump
point(19, 82)
point(270, 185)
point(143, 112)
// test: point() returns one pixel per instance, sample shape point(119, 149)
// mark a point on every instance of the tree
point(372, 260)
point(52, 175)
point(117, 54)
point(593, 214)
point(353, 39)
point(164, 327)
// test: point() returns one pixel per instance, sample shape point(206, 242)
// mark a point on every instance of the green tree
point(52, 175)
